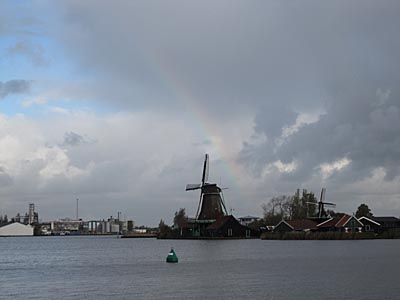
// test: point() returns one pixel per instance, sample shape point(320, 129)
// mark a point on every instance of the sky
point(116, 103)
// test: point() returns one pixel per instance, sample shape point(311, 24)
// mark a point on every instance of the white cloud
point(280, 167)
point(135, 157)
point(327, 169)
point(301, 120)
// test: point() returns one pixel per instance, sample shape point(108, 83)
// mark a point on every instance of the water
point(112, 268)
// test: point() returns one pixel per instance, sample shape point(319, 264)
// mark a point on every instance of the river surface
point(111, 268)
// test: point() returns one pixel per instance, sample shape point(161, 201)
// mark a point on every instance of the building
point(229, 227)
point(387, 223)
point(16, 229)
point(247, 220)
point(296, 225)
point(212, 219)
point(31, 217)
point(66, 226)
point(346, 223)
point(370, 225)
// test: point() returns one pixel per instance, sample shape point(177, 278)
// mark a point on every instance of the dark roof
point(248, 217)
point(220, 222)
point(363, 219)
point(302, 224)
point(385, 219)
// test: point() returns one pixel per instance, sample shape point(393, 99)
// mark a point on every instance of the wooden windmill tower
point(321, 206)
point(211, 204)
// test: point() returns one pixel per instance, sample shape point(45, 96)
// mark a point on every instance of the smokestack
point(31, 213)
point(77, 209)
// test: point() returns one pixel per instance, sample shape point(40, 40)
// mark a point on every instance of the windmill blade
point(225, 212)
point(193, 186)
point(314, 203)
point(198, 207)
point(204, 177)
point(322, 198)
point(327, 203)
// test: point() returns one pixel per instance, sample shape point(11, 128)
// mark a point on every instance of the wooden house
point(370, 225)
point(229, 227)
point(295, 225)
point(345, 223)
point(388, 223)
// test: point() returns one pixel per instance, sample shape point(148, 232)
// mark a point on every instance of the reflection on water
point(112, 268)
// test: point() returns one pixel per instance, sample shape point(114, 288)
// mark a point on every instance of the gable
point(283, 225)
point(352, 222)
point(16, 229)
point(328, 223)
point(365, 220)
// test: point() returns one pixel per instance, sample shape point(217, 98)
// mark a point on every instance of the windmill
point(321, 211)
point(211, 204)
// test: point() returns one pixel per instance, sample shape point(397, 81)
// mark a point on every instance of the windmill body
point(211, 205)
point(212, 220)
point(322, 215)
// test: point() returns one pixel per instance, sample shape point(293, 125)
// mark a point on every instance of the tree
point(276, 209)
point(290, 207)
point(363, 211)
point(309, 209)
point(164, 230)
point(180, 218)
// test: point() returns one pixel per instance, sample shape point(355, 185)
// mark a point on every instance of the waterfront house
point(370, 225)
point(229, 227)
point(388, 223)
point(295, 225)
point(346, 223)
point(247, 220)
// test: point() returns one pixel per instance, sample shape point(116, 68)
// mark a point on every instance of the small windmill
point(211, 203)
point(321, 204)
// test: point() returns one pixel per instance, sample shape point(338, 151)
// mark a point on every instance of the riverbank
point(297, 235)
point(139, 235)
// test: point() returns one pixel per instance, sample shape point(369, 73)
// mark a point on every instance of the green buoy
point(172, 258)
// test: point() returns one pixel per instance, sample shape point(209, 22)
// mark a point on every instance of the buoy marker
point(172, 258)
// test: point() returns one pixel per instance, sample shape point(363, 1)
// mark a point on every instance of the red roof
point(343, 221)
point(329, 223)
point(337, 222)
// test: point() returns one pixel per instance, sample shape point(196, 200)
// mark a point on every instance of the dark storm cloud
point(275, 59)
point(266, 61)
point(73, 139)
point(366, 134)
point(15, 86)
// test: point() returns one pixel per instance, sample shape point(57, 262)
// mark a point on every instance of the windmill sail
point(211, 205)
point(321, 205)
point(204, 178)
point(322, 198)
point(193, 186)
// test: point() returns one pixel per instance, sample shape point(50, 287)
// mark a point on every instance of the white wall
point(16, 229)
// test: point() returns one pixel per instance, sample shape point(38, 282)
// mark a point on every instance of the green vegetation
point(180, 218)
point(287, 208)
point(363, 211)
point(164, 231)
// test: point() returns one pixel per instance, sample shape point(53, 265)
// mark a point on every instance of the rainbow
point(205, 126)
